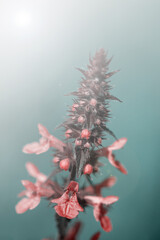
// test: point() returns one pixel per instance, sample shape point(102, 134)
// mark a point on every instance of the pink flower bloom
point(64, 164)
point(107, 152)
point(88, 169)
point(45, 142)
point(78, 142)
point(33, 191)
point(96, 189)
point(68, 205)
point(87, 145)
point(99, 211)
point(85, 133)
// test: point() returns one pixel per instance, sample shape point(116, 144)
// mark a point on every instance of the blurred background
point(41, 44)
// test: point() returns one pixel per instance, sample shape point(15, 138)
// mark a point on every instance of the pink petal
point(41, 177)
point(97, 212)
point(116, 163)
point(100, 200)
point(118, 144)
point(34, 202)
point(36, 147)
point(22, 194)
point(45, 192)
point(106, 224)
point(43, 131)
point(73, 186)
point(110, 200)
point(29, 185)
point(32, 169)
point(63, 199)
point(74, 203)
point(96, 236)
point(64, 210)
point(23, 205)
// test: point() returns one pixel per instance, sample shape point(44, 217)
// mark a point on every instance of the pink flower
point(45, 142)
point(68, 205)
point(33, 191)
point(107, 152)
point(96, 189)
point(99, 211)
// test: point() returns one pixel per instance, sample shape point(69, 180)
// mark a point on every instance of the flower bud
point(93, 102)
point(78, 142)
point(74, 106)
point(67, 133)
point(56, 159)
point(88, 169)
point(87, 145)
point(85, 133)
point(99, 141)
point(81, 119)
point(98, 122)
point(64, 164)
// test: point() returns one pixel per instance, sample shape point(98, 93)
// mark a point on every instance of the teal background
point(37, 68)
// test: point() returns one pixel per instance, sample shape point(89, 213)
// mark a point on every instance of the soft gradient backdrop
point(41, 43)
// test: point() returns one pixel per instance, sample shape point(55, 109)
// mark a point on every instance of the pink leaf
point(106, 223)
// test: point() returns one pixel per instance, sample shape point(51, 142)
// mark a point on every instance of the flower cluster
point(78, 154)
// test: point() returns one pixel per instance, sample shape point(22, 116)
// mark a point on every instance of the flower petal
point(96, 236)
point(116, 163)
point(106, 223)
point(34, 202)
point(118, 144)
point(43, 131)
point(32, 169)
point(63, 199)
point(36, 147)
point(29, 185)
point(23, 205)
point(100, 200)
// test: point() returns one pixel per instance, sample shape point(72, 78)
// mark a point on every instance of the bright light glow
point(23, 19)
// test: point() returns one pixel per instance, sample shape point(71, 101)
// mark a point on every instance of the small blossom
point(44, 143)
point(96, 189)
point(81, 119)
point(88, 169)
point(99, 211)
point(64, 164)
point(34, 191)
point(67, 133)
point(107, 152)
point(93, 102)
point(67, 205)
